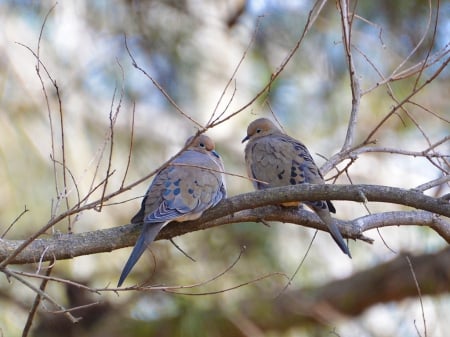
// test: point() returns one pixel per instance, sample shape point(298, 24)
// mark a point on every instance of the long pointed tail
point(147, 236)
point(324, 214)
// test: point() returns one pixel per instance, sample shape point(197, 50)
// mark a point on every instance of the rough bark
point(251, 207)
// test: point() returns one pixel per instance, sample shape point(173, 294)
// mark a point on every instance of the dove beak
point(245, 139)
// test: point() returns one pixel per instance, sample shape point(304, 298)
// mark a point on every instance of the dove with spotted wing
point(280, 160)
point(192, 183)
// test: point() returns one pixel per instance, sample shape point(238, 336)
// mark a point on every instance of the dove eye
point(258, 130)
point(202, 144)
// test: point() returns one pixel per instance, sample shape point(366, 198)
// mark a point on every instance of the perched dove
point(280, 160)
point(189, 185)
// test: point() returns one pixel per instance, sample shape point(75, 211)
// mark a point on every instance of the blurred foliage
point(191, 49)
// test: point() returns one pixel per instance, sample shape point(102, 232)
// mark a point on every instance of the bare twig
point(181, 250)
point(36, 302)
point(422, 39)
point(38, 68)
point(14, 221)
point(41, 293)
point(302, 261)
point(347, 21)
point(312, 17)
point(233, 75)
point(54, 279)
point(61, 120)
point(159, 87)
point(407, 98)
point(240, 285)
point(435, 58)
point(110, 138)
point(433, 183)
point(419, 293)
point(195, 285)
point(130, 149)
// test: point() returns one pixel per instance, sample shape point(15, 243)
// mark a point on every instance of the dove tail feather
point(325, 216)
point(331, 206)
point(337, 237)
point(149, 233)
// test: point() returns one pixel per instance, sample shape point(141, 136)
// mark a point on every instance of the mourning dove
point(189, 185)
point(275, 159)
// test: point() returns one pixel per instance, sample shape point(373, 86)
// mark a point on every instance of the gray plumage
point(280, 160)
point(192, 183)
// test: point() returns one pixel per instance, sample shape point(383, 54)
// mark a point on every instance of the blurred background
point(192, 48)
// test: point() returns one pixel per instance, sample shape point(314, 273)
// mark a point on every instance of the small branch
point(347, 21)
point(14, 222)
point(419, 294)
point(312, 17)
point(407, 99)
point(110, 138)
point(433, 183)
point(416, 47)
point(130, 149)
point(405, 218)
point(159, 87)
point(41, 293)
point(233, 76)
point(365, 148)
point(37, 301)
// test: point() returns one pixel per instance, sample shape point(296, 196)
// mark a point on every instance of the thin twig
point(407, 98)
point(158, 86)
point(181, 250)
point(112, 123)
point(130, 149)
point(75, 184)
point(41, 293)
point(37, 301)
point(240, 285)
point(433, 39)
point(312, 17)
point(419, 293)
point(435, 58)
point(14, 221)
point(302, 261)
point(195, 285)
point(347, 21)
point(416, 47)
point(433, 183)
point(233, 76)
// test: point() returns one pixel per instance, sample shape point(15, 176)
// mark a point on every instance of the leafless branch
point(41, 293)
point(14, 221)
point(347, 21)
point(36, 302)
point(312, 17)
point(247, 208)
point(159, 87)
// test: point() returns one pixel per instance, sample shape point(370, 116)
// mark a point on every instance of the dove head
point(203, 144)
point(259, 128)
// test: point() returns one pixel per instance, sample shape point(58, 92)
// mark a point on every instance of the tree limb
point(388, 282)
point(252, 207)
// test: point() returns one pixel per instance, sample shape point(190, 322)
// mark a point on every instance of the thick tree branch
point(388, 282)
point(252, 207)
